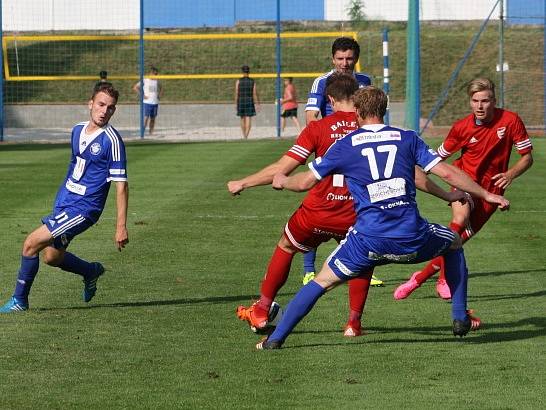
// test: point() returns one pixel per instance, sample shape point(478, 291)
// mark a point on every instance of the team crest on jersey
point(500, 132)
point(95, 148)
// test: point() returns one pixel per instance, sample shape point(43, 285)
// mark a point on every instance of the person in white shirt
point(152, 92)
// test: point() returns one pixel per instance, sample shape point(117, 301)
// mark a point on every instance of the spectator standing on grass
point(152, 93)
point(345, 54)
point(289, 101)
point(246, 100)
point(97, 158)
point(378, 162)
point(485, 139)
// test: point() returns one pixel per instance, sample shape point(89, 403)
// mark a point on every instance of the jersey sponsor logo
point(95, 148)
point(391, 257)
point(473, 140)
point(318, 231)
point(312, 101)
point(75, 188)
point(343, 123)
point(367, 137)
point(390, 188)
point(500, 132)
point(337, 197)
point(394, 204)
point(344, 269)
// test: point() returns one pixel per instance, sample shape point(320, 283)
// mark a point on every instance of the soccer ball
point(273, 319)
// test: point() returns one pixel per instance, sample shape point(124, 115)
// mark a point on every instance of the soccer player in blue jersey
point(97, 159)
point(345, 54)
point(378, 163)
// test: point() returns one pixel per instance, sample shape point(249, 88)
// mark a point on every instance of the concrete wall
point(184, 116)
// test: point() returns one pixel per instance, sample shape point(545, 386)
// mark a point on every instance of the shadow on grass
point(245, 299)
point(491, 333)
point(540, 293)
point(506, 272)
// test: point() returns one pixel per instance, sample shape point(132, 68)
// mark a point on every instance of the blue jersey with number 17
point(378, 163)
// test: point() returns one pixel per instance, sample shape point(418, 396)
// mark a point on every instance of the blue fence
point(226, 13)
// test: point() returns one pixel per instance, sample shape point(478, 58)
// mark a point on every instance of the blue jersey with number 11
point(97, 159)
point(378, 163)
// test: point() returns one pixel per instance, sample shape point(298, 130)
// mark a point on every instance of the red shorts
point(306, 230)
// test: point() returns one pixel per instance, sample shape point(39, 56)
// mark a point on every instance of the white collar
point(373, 127)
point(86, 139)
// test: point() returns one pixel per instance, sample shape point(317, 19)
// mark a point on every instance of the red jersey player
point(485, 139)
point(326, 212)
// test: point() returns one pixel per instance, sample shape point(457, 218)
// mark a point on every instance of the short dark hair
point(344, 44)
point(106, 88)
point(370, 102)
point(154, 69)
point(341, 86)
point(103, 74)
point(245, 69)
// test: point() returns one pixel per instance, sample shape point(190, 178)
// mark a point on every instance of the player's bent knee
point(53, 257)
point(31, 246)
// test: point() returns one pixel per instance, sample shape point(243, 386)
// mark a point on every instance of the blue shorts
point(358, 253)
point(150, 110)
point(64, 225)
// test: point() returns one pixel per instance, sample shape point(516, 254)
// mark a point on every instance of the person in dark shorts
point(246, 100)
point(289, 104)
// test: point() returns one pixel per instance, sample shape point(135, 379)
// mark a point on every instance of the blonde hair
point(480, 84)
point(370, 102)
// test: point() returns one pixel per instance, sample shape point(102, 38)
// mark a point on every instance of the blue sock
point(298, 307)
point(309, 261)
point(27, 273)
point(457, 279)
point(71, 263)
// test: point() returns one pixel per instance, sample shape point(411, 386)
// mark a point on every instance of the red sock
point(442, 275)
point(275, 278)
point(455, 227)
point(429, 270)
point(358, 293)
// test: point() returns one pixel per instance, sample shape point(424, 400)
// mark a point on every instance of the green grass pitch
point(162, 333)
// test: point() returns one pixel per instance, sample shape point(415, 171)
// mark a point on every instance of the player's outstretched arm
point(122, 202)
point(303, 181)
point(425, 184)
point(284, 165)
point(460, 180)
point(504, 179)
